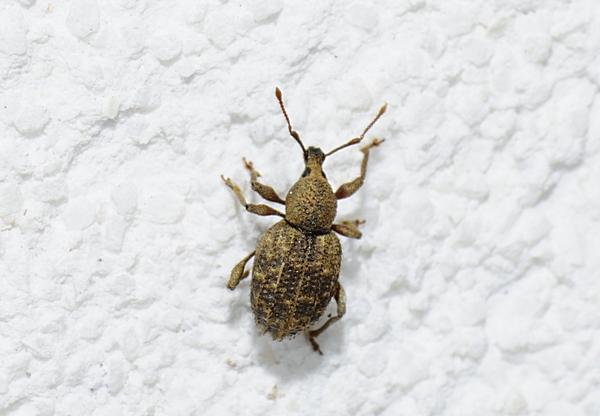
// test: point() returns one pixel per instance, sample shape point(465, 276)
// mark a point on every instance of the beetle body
point(293, 279)
point(297, 261)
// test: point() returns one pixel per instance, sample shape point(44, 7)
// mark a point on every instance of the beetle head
point(314, 153)
point(313, 160)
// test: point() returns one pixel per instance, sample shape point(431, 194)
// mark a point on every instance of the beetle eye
point(306, 172)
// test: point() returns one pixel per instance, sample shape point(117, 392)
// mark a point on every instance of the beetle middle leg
point(340, 297)
point(258, 209)
point(265, 191)
point(348, 228)
point(238, 273)
point(347, 189)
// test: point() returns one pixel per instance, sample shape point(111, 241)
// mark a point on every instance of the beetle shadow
point(294, 359)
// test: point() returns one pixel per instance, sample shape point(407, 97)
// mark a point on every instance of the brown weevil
point(297, 261)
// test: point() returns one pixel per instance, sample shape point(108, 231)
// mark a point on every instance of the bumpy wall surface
point(475, 289)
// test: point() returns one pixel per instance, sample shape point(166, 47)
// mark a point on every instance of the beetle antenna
point(357, 140)
point(292, 132)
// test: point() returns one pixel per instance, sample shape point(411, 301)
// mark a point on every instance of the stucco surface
point(475, 288)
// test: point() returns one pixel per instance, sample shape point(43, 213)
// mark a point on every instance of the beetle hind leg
point(340, 298)
point(238, 273)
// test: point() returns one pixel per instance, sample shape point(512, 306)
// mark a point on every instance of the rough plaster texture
point(474, 291)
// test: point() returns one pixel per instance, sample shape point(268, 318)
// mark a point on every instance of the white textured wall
point(474, 291)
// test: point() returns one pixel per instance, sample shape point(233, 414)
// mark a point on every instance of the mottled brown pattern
point(293, 279)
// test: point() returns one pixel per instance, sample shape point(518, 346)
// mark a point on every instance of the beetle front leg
point(258, 209)
point(348, 228)
point(347, 189)
point(340, 297)
point(238, 272)
point(265, 191)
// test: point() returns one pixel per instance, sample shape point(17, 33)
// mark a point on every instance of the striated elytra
point(297, 261)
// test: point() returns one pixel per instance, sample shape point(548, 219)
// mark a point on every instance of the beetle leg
point(340, 298)
point(258, 209)
point(347, 189)
point(265, 191)
point(348, 228)
point(238, 272)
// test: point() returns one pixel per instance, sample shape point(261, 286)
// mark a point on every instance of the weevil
point(297, 261)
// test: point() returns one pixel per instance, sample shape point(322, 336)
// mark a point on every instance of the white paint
point(84, 18)
point(474, 290)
